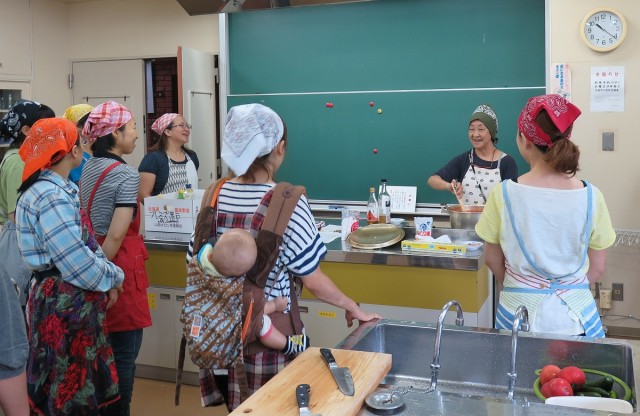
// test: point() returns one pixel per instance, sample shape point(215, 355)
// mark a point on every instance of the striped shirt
point(49, 235)
point(302, 247)
point(118, 189)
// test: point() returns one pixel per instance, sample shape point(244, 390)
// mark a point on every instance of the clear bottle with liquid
point(384, 215)
point(372, 207)
point(188, 192)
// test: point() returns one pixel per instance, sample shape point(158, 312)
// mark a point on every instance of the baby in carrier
point(233, 254)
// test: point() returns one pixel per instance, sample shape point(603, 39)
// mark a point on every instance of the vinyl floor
point(156, 398)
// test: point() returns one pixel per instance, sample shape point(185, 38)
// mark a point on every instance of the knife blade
point(341, 375)
point(302, 394)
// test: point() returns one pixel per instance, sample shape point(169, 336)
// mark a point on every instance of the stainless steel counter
point(341, 252)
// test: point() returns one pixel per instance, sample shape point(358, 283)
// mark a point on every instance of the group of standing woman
point(546, 232)
point(74, 259)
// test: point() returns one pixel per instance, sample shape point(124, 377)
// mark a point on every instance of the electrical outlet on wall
point(617, 292)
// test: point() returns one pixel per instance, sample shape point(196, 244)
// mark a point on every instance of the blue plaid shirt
point(49, 234)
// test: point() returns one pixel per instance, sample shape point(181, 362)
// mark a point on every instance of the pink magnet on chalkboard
point(375, 151)
point(371, 104)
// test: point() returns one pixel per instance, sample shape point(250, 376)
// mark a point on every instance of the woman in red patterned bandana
point(546, 233)
point(71, 368)
point(109, 195)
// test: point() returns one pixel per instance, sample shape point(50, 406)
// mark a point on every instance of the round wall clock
point(603, 29)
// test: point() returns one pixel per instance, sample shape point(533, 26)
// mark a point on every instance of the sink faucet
point(435, 364)
point(520, 321)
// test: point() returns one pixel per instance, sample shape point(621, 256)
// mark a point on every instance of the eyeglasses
point(182, 126)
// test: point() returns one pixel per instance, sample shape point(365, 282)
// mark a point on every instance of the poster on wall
point(561, 80)
point(607, 89)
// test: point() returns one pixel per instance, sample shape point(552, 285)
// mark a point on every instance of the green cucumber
point(605, 383)
point(588, 394)
point(600, 391)
point(613, 394)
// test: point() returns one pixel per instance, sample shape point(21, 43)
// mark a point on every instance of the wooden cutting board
point(278, 397)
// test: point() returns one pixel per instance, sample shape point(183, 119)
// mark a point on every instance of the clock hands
point(604, 30)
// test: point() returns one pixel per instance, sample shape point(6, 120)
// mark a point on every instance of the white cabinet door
point(95, 82)
point(158, 341)
point(15, 32)
point(324, 324)
point(198, 105)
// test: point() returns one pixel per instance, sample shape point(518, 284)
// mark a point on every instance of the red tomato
point(548, 372)
point(557, 387)
point(573, 375)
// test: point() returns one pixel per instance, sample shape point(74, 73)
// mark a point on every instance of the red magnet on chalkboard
point(371, 103)
point(375, 151)
point(329, 105)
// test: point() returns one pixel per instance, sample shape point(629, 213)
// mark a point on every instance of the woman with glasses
point(472, 175)
point(170, 165)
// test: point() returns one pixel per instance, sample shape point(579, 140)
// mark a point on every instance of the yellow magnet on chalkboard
point(379, 110)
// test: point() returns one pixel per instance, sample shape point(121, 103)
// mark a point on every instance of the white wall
point(616, 173)
point(50, 24)
point(65, 32)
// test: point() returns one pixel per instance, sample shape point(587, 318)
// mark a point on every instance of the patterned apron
point(478, 182)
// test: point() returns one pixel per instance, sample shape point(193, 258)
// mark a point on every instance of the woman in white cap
point(171, 165)
point(254, 146)
point(109, 195)
point(472, 175)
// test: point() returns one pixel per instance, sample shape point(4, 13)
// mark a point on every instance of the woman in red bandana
point(546, 233)
point(109, 194)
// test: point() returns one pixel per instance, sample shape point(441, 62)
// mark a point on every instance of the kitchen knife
point(302, 394)
point(342, 375)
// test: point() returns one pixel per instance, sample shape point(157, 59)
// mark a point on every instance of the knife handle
point(302, 394)
point(327, 355)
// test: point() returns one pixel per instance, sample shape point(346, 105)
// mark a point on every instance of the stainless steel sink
point(475, 361)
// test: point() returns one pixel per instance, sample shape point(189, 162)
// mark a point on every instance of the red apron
point(131, 311)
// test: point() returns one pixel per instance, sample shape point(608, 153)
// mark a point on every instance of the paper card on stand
point(403, 198)
point(168, 214)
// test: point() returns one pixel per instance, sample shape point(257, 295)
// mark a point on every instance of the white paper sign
point(561, 80)
point(607, 89)
point(403, 198)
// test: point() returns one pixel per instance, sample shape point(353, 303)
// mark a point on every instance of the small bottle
point(10, 101)
point(180, 193)
point(372, 207)
point(384, 216)
point(188, 193)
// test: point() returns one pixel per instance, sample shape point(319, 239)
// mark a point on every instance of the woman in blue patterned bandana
point(15, 127)
point(473, 174)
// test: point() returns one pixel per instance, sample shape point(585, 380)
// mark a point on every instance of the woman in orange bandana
point(71, 369)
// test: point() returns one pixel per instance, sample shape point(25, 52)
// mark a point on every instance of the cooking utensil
point(342, 375)
point(375, 236)
point(465, 220)
point(454, 185)
point(303, 391)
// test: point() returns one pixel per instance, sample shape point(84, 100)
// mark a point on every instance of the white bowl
point(397, 221)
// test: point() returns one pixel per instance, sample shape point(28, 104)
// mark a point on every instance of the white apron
point(478, 182)
point(180, 175)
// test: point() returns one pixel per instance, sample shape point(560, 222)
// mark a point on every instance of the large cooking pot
point(465, 220)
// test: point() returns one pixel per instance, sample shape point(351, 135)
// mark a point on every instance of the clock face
point(603, 30)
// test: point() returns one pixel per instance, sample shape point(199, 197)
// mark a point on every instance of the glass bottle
point(372, 207)
point(188, 192)
point(384, 216)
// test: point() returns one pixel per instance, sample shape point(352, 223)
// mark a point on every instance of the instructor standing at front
point(479, 169)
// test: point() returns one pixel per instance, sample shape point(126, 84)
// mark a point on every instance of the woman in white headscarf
point(254, 146)
point(171, 165)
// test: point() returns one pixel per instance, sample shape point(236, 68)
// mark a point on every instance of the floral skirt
point(71, 369)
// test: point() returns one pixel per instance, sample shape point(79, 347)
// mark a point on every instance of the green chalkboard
point(426, 64)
